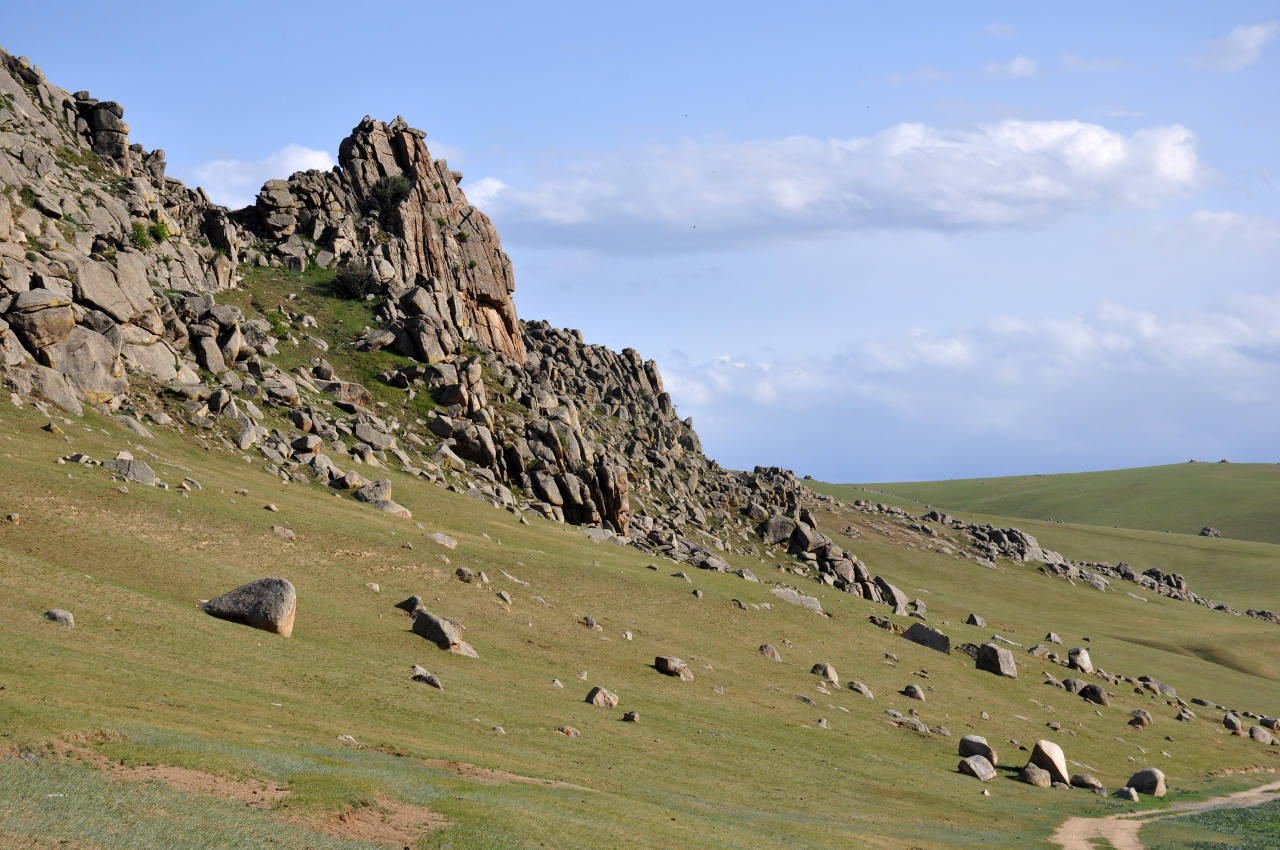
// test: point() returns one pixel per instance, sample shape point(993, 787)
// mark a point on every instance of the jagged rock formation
point(109, 269)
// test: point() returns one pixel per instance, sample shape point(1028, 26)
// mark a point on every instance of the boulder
point(268, 604)
point(977, 767)
point(1261, 735)
point(826, 671)
point(996, 659)
point(1078, 659)
point(602, 698)
point(1037, 776)
point(669, 665)
point(1087, 781)
point(913, 692)
point(443, 632)
point(777, 529)
point(1049, 756)
point(858, 687)
point(41, 317)
point(1233, 723)
point(1094, 694)
point(770, 652)
point(132, 470)
point(1149, 780)
point(1139, 718)
point(976, 745)
point(61, 617)
point(927, 636)
point(975, 620)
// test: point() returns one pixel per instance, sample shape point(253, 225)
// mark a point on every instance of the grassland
point(1242, 500)
point(732, 759)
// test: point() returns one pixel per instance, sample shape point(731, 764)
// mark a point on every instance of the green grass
point(1254, 828)
point(1242, 500)
point(742, 766)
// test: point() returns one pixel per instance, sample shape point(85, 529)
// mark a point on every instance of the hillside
point(1242, 500)
point(307, 540)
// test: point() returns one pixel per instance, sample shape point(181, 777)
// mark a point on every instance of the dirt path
point(1122, 830)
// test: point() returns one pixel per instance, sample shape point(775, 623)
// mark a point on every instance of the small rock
point(768, 651)
point(61, 617)
point(602, 698)
point(632, 717)
point(826, 671)
point(977, 767)
point(860, 688)
point(569, 732)
point(976, 745)
point(913, 692)
point(443, 539)
point(671, 666)
point(270, 506)
point(1036, 776)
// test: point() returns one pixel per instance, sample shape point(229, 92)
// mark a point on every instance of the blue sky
point(864, 241)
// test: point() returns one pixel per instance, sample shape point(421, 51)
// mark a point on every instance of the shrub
point(472, 264)
point(159, 231)
point(463, 236)
point(138, 236)
point(354, 280)
point(390, 192)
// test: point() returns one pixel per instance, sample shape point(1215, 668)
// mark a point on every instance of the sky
point(864, 241)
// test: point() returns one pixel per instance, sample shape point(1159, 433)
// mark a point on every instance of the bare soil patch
point(488, 774)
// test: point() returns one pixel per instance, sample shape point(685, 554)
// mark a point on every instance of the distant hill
point(1242, 500)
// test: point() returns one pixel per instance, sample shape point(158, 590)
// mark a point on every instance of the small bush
point(138, 236)
point(463, 236)
point(440, 222)
point(390, 192)
point(159, 231)
point(354, 280)
point(472, 264)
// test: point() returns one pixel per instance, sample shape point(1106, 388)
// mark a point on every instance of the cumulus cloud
point(235, 182)
point(702, 194)
point(1239, 50)
point(1145, 385)
point(1260, 233)
point(1020, 67)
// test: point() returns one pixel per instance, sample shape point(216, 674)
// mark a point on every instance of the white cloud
point(235, 182)
point(1076, 62)
point(1020, 67)
point(1261, 233)
point(1238, 50)
point(697, 194)
point(996, 29)
point(1136, 383)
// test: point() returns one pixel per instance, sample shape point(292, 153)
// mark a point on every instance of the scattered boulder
point(913, 692)
point(827, 672)
point(1127, 793)
point(978, 767)
point(1037, 776)
point(134, 471)
point(927, 636)
point(441, 631)
point(975, 620)
point(1087, 781)
point(1233, 723)
point(858, 687)
point(1049, 756)
point(1149, 780)
point(569, 732)
point(443, 539)
point(1139, 718)
point(1078, 659)
point(997, 659)
point(602, 698)
point(61, 617)
point(770, 652)
point(1210, 531)
point(1261, 735)
point(1052, 637)
point(631, 717)
point(421, 674)
point(1095, 694)
point(669, 665)
point(268, 604)
point(976, 745)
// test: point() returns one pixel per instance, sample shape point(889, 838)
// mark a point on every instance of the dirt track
point(1122, 830)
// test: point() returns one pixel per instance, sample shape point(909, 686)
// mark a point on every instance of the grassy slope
point(1242, 500)
point(745, 767)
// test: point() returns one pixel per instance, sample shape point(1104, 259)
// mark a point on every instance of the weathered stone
point(1095, 694)
point(1078, 659)
point(1261, 735)
point(1149, 780)
point(859, 687)
point(996, 659)
point(268, 604)
point(826, 671)
point(672, 666)
point(913, 692)
point(1049, 756)
point(975, 620)
point(1037, 776)
point(978, 767)
point(61, 617)
point(976, 745)
point(441, 631)
point(131, 470)
point(770, 652)
point(602, 698)
point(927, 636)
point(1087, 781)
